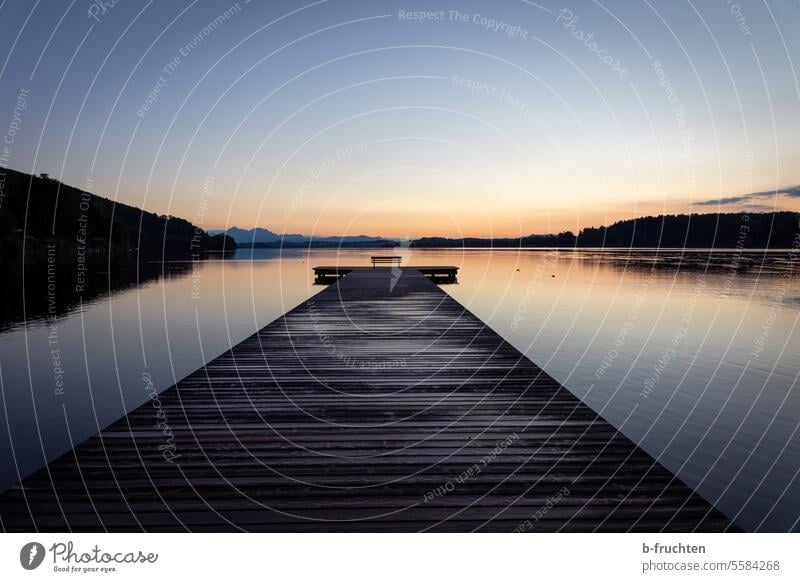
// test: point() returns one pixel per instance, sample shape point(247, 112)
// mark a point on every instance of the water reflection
point(693, 355)
point(697, 364)
point(41, 291)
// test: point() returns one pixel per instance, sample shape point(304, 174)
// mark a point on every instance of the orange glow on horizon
point(417, 223)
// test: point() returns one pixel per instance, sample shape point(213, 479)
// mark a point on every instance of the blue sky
point(408, 118)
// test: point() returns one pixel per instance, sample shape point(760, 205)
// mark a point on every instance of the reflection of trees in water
point(58, 288)
point(760, 263)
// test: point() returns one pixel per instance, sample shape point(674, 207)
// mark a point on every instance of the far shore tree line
point(40, 216)
point(772, 230)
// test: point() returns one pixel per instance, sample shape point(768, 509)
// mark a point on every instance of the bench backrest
point(385, 259)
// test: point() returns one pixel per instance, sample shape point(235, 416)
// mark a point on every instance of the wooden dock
point(380, 404)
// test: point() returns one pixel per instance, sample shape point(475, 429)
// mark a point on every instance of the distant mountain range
point(262, 237)
point(778, 230)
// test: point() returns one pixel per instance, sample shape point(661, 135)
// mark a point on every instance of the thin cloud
point(790, 192)
point(760, 208)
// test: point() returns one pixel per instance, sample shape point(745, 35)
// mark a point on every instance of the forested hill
point(733, 230)
point(75, 222)
point(778, 230)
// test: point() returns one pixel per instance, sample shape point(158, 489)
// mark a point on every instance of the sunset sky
point(344, 117)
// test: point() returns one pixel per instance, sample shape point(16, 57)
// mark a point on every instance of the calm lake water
point(694, 356)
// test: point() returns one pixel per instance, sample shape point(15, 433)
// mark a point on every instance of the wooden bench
point(382, 260)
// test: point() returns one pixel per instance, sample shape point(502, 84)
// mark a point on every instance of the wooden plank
point(380, 404)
